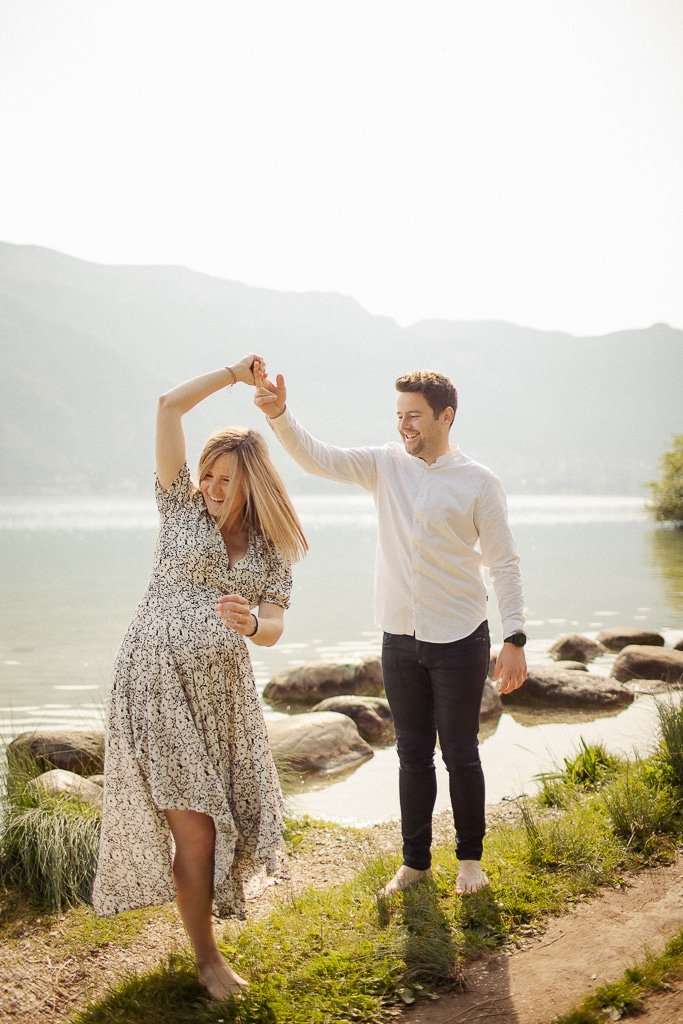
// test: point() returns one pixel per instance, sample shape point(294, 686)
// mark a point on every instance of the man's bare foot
point(219, 979)
point(403, 879)
point(470, 878)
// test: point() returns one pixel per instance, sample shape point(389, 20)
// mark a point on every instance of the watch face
point(518, 639)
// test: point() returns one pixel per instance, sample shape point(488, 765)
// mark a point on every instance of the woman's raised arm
point(170, 444)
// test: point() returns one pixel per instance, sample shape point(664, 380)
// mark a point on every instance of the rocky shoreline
point(337, 713)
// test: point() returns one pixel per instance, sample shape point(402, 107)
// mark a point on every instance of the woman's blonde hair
point(267, 508)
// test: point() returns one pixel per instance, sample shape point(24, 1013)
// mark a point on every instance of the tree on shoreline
point(667, 492)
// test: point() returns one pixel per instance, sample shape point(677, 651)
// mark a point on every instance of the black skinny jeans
point(436, 689)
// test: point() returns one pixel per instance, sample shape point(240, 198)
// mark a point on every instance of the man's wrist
point(517, 639)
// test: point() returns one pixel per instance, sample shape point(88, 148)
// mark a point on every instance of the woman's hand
point(270, 398)
point(179, 400)
point(264, 630)
point(236, 614)
point(244, 369)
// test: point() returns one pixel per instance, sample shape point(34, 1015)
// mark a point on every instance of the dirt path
point(575, 954)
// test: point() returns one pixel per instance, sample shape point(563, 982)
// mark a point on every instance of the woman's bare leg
point(193, 865)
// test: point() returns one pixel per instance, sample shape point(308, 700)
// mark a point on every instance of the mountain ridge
point(88, 347)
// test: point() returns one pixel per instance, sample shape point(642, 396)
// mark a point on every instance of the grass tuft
point(640, 813)
point(590, 767)
point(670, 752)
point(48, 844)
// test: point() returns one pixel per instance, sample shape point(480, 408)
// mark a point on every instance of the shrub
point(667, 492)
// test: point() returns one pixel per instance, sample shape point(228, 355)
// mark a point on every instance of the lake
point(73, 570)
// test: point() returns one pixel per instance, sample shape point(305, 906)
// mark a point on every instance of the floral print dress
point(185, 729)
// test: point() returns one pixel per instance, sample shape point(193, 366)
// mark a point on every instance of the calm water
point(67, 592)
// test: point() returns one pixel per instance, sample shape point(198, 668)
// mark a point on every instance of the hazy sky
point(469, 159)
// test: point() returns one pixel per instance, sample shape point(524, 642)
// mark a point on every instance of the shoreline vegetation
point(326, 948)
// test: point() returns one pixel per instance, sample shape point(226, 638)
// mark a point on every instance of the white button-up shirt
point(439, 525)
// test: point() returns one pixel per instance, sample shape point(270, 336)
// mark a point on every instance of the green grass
point(640, 811)
point(669, 755)
point(590, 767)
point(344, 954)
point(48, 844)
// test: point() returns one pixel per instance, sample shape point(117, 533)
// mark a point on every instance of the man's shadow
point(467, 971)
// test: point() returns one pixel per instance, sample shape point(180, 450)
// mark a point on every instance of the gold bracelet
point(234, 376)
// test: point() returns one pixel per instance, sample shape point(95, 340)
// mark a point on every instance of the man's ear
point(449, 415)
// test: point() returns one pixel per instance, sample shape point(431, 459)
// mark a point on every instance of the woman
point(187, 752)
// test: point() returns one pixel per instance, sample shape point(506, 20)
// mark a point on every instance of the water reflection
point(529, 717)
point(667, 557)
point(513, 753)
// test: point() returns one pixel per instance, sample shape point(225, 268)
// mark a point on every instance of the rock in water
point(74, 750)
point(372, 715)
point(315, 680)
point(322, 742)
point(619, 637)
point(642, 662)
point(553, 687)
point(575, 647)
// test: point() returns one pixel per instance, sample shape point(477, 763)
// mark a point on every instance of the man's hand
point(510, 668)
point(270, 398)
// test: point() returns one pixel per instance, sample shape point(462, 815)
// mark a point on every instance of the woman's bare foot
point(219, 979)
point(470, 878)
point(403, 879)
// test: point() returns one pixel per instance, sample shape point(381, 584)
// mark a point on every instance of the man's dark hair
point(438, 390)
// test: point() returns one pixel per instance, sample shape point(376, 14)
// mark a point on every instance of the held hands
point(235, 613)
point(270, 398)
point(244, 369)
point(510, 668)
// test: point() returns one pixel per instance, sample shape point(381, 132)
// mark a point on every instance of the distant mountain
point(86, 350)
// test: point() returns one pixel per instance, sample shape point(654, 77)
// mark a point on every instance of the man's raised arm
point(346, 465)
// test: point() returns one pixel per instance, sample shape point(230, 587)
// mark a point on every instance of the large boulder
point(619, 637)
point(315, 680)
point(372, 715)
point(322, 742)
point(678, 646)
point(62, 783)
point(491, 703)
point(74, 750)
point(548, 686)
point(575, 647)
point(641, 662)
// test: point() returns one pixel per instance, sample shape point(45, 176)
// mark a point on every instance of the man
point(441, 518)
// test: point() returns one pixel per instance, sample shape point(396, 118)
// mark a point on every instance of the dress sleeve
point(177, 495)
point(277, 588)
